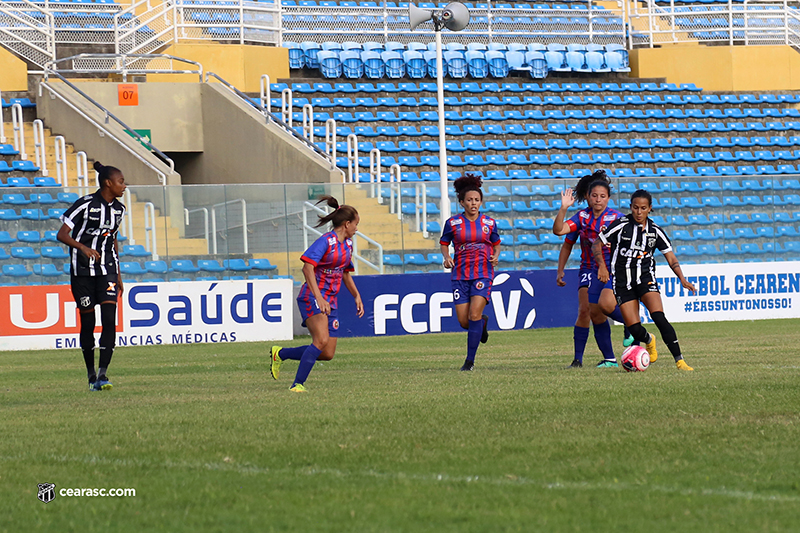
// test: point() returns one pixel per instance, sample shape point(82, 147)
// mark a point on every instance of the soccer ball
point(635, 359)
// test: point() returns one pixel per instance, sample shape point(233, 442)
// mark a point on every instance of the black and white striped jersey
point(94, 222)
point(632, 249)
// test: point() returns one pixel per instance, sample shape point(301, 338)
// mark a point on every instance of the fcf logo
point(47, 492)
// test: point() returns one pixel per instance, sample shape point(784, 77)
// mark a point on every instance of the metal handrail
point(150, 229)
point(108, 114)
point(188, 212)
point(356, 256)
point(214, 223)
point(124, 59)
point(103, 131)
point(270, 116)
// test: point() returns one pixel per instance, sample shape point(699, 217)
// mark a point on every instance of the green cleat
point(275, 368)
point(607, 363)
point(298, 387)
point(627, 341)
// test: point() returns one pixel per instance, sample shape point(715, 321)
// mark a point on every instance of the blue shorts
point(465, 289)
point(585, 276)
point(308, 308)
point(596, 287)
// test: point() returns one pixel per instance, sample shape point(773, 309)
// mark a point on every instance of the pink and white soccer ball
point(635, 359)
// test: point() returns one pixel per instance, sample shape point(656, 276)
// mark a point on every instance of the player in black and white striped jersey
point(633, 240)
point(90, 229)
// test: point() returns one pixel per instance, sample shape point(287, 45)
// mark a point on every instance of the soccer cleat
point(651, 348)
point(102, 383)
point(628, 340)
point(275, 368)
point(681, 364)
point(298, 387)
point(468, 366)
point(575, 364)
point(607, 363)
point(485, 334)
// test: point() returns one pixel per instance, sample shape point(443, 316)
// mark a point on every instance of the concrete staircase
point(396, 236)
point(168, 237)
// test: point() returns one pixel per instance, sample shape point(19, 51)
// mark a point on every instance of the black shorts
point(636, 292)
point(89, 291)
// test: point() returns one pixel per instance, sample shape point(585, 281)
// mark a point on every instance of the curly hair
point(588, 182)
point(468, 182)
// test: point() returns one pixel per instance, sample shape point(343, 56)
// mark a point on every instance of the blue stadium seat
point(54, 252)
point(23, 252)
point(184, 266)
point(134, 250)
point(132, 268)
point(16, 271)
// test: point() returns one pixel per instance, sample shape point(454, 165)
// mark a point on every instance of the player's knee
point(597, 314)
point(325, 356)
point(659, 319)
point(108, 314)
point(584, 313)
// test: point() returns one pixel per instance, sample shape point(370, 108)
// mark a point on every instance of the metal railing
point(228, 226)
point(188, 212)
point(357, 258)
point(273, 118)
point(747, 22)
point(492, 24)
point(22, 31)
point(150, 240)
point(108, 115)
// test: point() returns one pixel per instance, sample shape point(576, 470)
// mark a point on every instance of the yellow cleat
point(682, 365)
point(275, 368)
point(651, 348)
point(298, 387)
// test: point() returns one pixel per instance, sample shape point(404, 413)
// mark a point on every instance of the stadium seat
point(261, 264)
point(184, 266)
point(134, 250)
point(54, 252)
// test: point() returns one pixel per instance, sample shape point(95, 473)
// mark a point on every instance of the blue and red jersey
point(331, 259)
point(588, 227)
point(473, 242)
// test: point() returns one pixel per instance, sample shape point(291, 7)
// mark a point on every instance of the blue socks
point(292, 353)
point(474, 338)
point(307, 361)
point(580, 336)
point(616, 314)
point(602, 334)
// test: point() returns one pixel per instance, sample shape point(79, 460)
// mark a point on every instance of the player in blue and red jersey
point(596, 300)
point(477, 249)
point(327, 265)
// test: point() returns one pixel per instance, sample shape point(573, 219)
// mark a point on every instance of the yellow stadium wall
point(14, 72)
point(721, 68)
point(240, 65)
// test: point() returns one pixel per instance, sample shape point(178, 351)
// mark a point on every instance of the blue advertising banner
point(423, 303)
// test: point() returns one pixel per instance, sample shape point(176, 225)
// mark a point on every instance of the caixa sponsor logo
point(418, 312)
point(219, 304)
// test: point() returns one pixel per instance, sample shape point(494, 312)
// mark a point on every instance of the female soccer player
point(90, 228)
point(477, 250)
point(632, 240)
point(326, 265)
point(595, 299)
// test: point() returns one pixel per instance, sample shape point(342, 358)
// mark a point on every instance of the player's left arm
point(351, 286)
point(494, 239)
point(673, 263)
point(119, 267)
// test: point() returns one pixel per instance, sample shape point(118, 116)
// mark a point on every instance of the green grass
point(391, 437)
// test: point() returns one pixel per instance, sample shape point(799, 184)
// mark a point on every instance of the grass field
point(391, 437)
